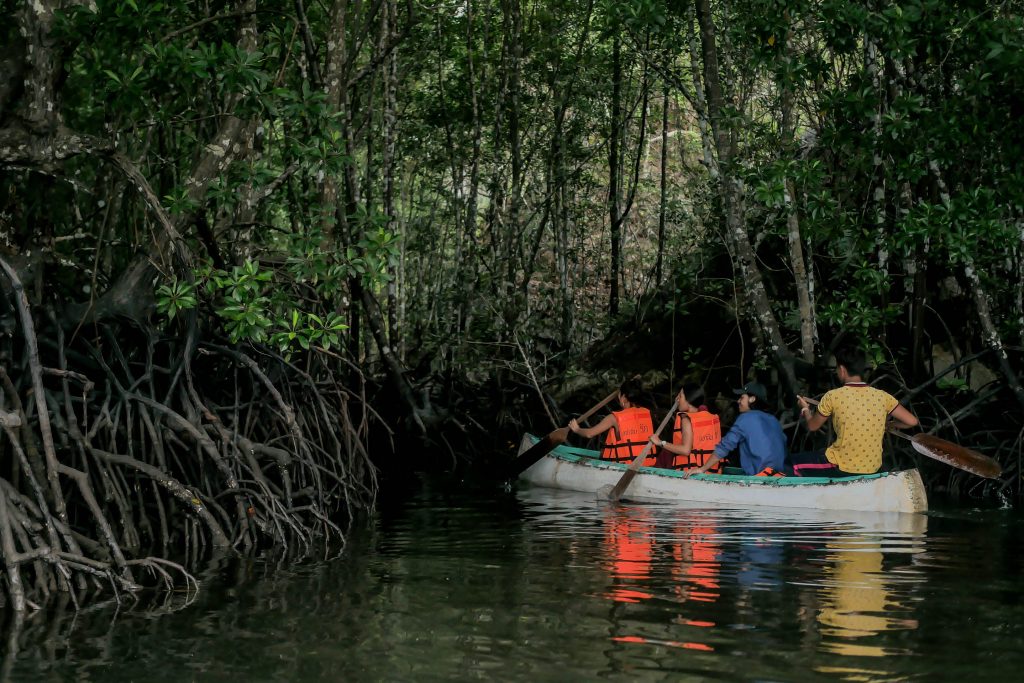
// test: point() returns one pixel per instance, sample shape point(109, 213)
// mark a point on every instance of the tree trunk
point(472, 206)
point(514, 227)
point(614, 170)
point(388, 35)
point(731, 189)
point(707, 138)
point(663, 195)
point(871, 59)
point(1020, 279)
point(561, 193)
point(990, 333)
point(982, 302)
point(802, 275)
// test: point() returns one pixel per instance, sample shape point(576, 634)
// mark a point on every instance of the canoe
point(579, 469)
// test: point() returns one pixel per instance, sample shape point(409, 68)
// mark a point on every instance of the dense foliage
point(475, 197)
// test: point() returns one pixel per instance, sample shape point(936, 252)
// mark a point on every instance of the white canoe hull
point(576, 469)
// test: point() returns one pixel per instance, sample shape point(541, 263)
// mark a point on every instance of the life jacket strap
point(769, 472)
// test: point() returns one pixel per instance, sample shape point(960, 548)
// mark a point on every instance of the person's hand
point(805, 407)
point(574, 426)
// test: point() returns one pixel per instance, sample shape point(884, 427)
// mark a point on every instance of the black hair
point(852, 358)
point(638, 395)
point(694, 393)
point(633, 389)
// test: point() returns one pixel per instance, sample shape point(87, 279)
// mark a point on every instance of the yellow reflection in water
point(859, 603)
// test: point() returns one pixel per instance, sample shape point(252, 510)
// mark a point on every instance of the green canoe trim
point(593, 459)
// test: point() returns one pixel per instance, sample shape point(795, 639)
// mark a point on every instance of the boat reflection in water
point(786, 590)
point(687, 553)
point(859, 604)
point(629, 541)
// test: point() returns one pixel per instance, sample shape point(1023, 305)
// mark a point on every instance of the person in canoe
point(695, 433)
point(858, 413)
point(756, 433)
point(628, 429)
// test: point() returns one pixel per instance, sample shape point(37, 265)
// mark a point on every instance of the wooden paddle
point(952, 454)
point(627, 477)
point(947, 452)
point(548, 443)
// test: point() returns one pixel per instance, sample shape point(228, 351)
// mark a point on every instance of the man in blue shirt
point(757, 434)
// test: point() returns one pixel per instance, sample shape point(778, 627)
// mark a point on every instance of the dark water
point(538, 585)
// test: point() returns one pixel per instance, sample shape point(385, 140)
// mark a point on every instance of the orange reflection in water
point(667, 643)
point(693, 560)
point(628, 542)
point(699, 562)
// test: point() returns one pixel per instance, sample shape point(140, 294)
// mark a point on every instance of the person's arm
point(601, 427)
point(901, 418)
point(686, 431)
point(730, 441)
point(676, 448)
point(712, 461)
point(726, 446)
point(811, 416)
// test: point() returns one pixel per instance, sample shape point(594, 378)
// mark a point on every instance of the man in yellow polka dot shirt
point(858, 414)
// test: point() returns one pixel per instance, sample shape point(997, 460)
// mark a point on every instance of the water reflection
point(541, 585)
point(836, 582)
point(686, 549)
point(629, 542)
point(697, 556)
point(643, 546)
point(860, 604)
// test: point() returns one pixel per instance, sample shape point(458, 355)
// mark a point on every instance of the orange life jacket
point(770, 472)
point(707, 432)
point(627, 440)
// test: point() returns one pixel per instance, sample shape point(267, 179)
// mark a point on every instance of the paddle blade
point(622, 485)
point(957, 456)
point(537, 451)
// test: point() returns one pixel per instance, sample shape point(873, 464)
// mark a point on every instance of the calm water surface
point(540, 585)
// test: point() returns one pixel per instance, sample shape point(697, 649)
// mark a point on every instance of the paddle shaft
point(548, 443)
point(627, 476)
point(605, 401)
